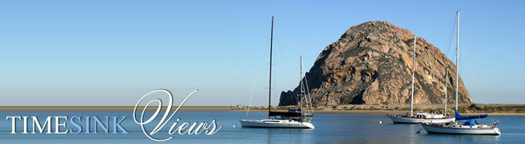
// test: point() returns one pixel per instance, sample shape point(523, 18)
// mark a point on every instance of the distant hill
point(372, 64)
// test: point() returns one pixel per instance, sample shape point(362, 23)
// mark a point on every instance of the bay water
point(329, 128)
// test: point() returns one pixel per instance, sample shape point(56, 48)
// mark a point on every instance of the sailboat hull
point(276, 123)
point(436, 129)
point(406, 120)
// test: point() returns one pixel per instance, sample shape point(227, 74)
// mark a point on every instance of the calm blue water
point(330, 128)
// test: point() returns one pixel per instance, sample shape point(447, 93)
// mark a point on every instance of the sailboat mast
point(301, 76)
point(270, 81)
point(457, 60)
point(413, 71)
point(446, 90)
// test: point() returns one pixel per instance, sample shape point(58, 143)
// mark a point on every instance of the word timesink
point(68, 125)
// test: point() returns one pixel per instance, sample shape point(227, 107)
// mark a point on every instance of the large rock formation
point(372, 64)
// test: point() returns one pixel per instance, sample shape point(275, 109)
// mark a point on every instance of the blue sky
point(111, 52)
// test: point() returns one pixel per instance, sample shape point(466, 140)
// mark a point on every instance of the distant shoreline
point(102, 108)
point(490, 109)
point(467, 109)
point(391, 112)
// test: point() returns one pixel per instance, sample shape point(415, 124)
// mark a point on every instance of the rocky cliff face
point(372, 64)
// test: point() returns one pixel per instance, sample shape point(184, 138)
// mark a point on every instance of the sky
point(112, 52)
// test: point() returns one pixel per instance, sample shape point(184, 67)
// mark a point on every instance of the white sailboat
point(422, 116)
point(294, 118)
point(470, 126)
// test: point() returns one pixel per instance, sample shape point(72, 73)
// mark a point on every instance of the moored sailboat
point(293, 118)
point(470, 126)
point(422, 116)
